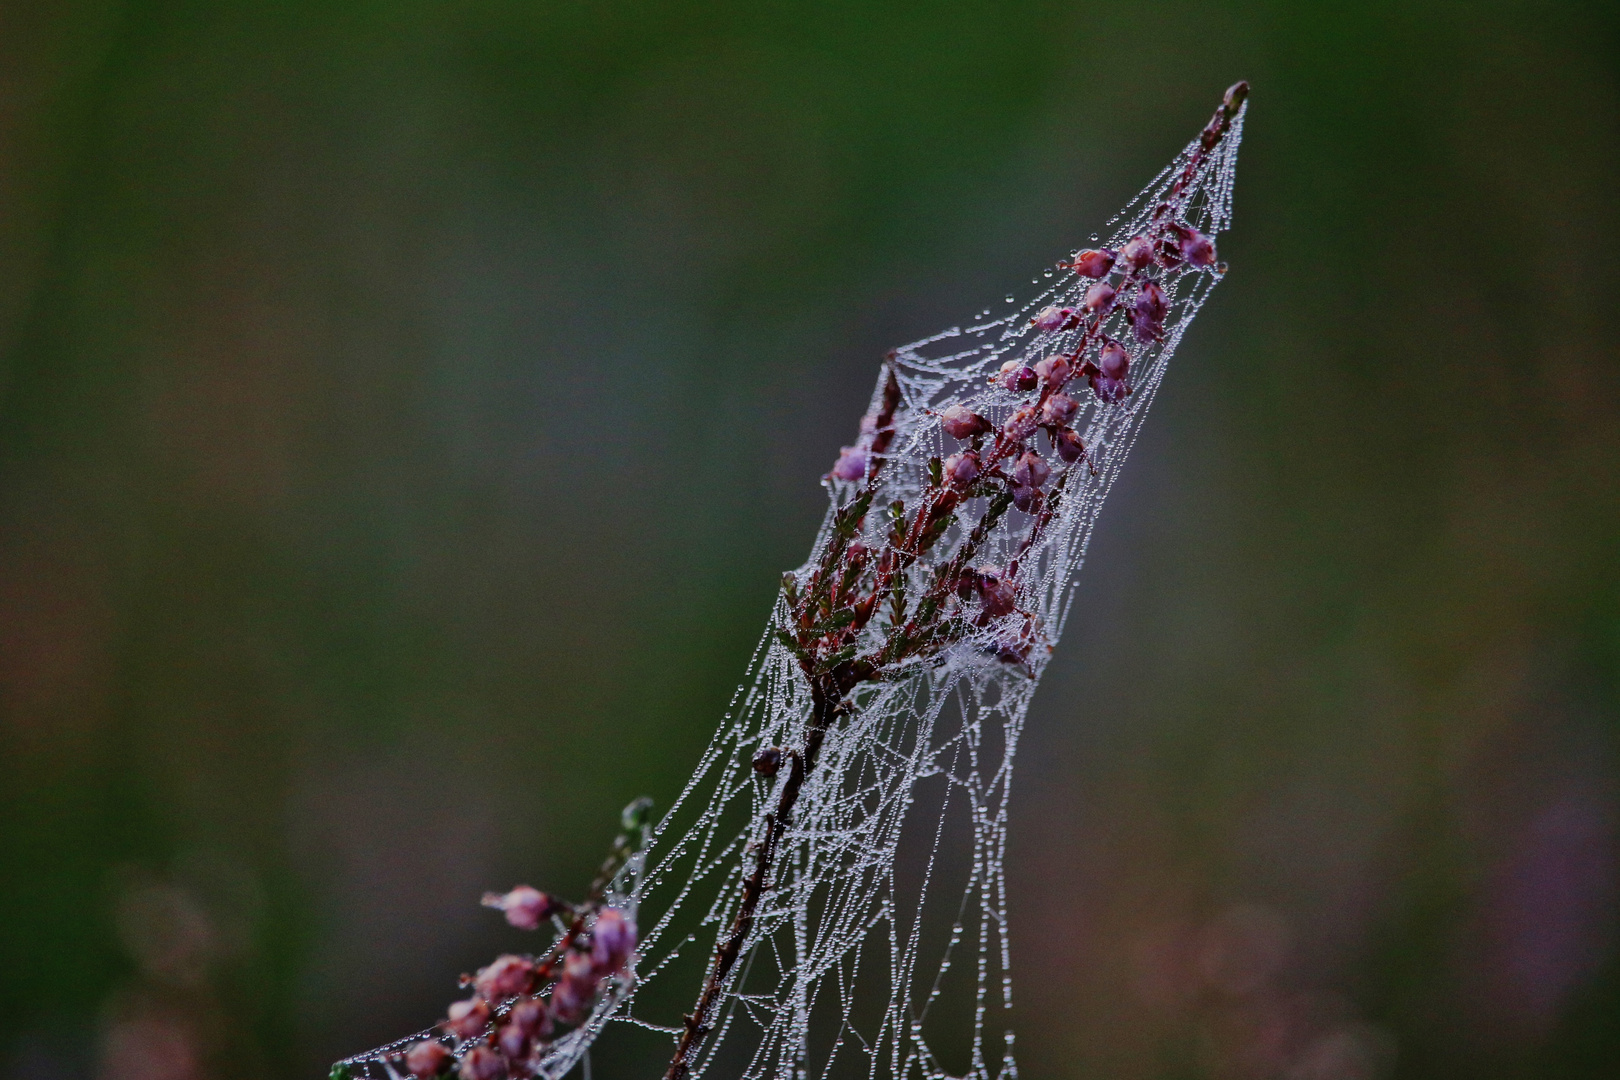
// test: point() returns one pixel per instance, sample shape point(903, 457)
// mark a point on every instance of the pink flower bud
point(576, 990)
point(508, 976)
point(427, 1058)
point(962, 469)
point(467, 1018)
point(1051, 318)
point(1151, 303)
point(1115, 362)
point(526, 908)
point(1053, 369)
point(1020, 424)
point(997, 597)
point(529, 1016)
point(1094, 262)
point(1059, 409)
point(851, 464)
point(1031, 470)
point(513, 1041)
point(1018, 376)
point(1099, 298)
point(1197, 249)
point(768, 761)
point(961, 422)
point(1137, 253)
point(1068, 446)
point(482, 1063)
point(1110, 391)
point(613, 939)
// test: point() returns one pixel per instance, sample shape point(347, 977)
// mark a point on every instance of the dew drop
point(1009, 298)
point(1046, 273)
point(1093, 238)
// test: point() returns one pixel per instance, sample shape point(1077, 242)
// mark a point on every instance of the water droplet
point(1009, 298)
point(1221, 268)
point(1093, 238)
point(1046, 273)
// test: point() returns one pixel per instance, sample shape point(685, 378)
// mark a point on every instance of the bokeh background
point(406, 409)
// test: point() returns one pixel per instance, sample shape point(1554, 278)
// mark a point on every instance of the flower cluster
point(519, 1002)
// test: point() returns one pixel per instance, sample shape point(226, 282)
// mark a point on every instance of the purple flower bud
point(997, 596)
point(529, 1016)
point(508, 976)
point(525, 907)
point(962, 469)
point(961, 422)
point(513, 1041)
point(851, 464)
point(1027, 499)
point(1094, 262)
point(1053, 369)
point(1059, 409)
point(1018, 376)
point(576, 989)
point(1051, 318)
point(768, 761)
point(1147, 332)
point(1137, 253)
point(1031, 470)
point(482, 1063)
point(1151, 303)
point(467, 1018)
point(1115, 362)
point(613, 939)
point(1197, 249)
point(427, 1058)
point(1099, 298)
point(1068, 446)
point(1020, 424)
point(1110, 391)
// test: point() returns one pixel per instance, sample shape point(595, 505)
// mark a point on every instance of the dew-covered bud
point(576, 990)
point(1115, 362)
point(961, 422)
point(1018, 376)
point(529, 1016)
point(613, 939)
point(1051, 318)
point(1110, 391)
point(851, 464)
point(1027, 499)
point(467, 1018)
point(1151, 303)
point(962, 469)
point(1059, 409)
point(1197, 249)
point(1099, 298)
point(768, 761)
point(506, 977)
point(513, 1041)
point(997, 596)
point(1137, 253)
point(1020, 424)
point(1031, 470)
point(1053, 369)
point(525, 907)
point(483, 1063)
point(1094, 262)
point(1012, 650)
point(427, 1058)
point(1068, 446)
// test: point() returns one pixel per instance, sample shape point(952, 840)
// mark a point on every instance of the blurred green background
point(406, 410)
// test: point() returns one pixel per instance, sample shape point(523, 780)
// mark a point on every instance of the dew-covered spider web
point(879, 943)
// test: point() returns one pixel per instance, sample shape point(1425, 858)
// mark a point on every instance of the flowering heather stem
point(823, 628)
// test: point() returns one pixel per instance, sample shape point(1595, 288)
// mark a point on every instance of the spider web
point(880, 947)
point(853, 947)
